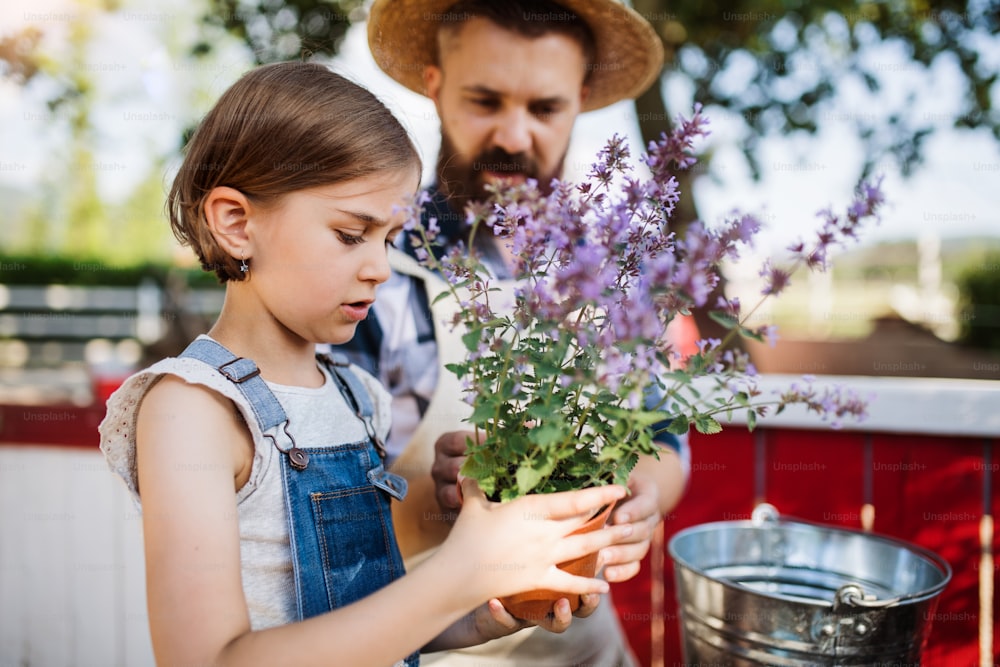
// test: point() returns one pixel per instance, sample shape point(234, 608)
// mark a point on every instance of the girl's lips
point(356, 311)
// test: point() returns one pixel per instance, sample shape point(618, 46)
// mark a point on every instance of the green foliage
point(77, 270)
point(287, 30)
point(801, 55)
point(139, 224)
point(979, 304)
point(540, 435)
point(87, 232)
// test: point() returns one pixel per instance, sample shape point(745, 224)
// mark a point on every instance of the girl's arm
point(191, 450)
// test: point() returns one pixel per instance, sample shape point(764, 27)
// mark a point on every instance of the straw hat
point(402, 35)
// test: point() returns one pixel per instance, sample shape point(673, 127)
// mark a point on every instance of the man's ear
point(433, 76)
point(227, 211)
point(584, 94)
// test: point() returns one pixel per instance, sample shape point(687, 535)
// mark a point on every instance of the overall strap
point(355, 393)
point(244, 373)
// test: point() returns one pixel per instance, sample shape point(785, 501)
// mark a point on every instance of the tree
point(795, 57)
point(283, 29)
point(54, 64)
point(790, 59)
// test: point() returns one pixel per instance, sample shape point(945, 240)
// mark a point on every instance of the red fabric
point(61, 425)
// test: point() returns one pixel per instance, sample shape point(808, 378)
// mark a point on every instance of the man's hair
point(282, 128)
point(528, 18)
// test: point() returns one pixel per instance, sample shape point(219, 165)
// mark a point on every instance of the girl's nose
point(376, 266)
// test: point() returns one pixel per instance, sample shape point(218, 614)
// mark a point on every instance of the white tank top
point(265, 557)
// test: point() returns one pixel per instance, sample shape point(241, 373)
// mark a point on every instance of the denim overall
point(337, 498)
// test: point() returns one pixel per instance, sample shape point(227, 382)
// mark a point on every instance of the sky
point(145, 100)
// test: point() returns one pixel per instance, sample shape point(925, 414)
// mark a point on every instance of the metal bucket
point(777, 592)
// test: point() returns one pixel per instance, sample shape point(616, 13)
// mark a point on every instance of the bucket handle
point(852, 596)
point(764, 514)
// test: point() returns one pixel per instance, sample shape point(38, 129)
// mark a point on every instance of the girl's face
point(319, 254)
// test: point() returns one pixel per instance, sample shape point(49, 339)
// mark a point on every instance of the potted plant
point(572, 374)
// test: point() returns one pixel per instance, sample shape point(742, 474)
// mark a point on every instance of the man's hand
point(641, 509)
point(657, 485)
point(449, 453)
point(493, 620)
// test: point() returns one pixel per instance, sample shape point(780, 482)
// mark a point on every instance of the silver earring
point(243, 263)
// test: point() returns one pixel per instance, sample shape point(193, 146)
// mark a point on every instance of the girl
point(266, 506)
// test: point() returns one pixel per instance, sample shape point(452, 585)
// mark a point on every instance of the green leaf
point(471, 340)
point(726, 320)
point(528, 477)
point(683, 401)
point(754, 335)
point(458, 369)
point(483, 412)
point(707, 425)
point(517, 442)
point(478, 466)
point(751, 420)
point(441, 296)
point(679, 425)
point(546, 434)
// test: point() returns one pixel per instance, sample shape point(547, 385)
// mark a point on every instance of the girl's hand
point(507, 548)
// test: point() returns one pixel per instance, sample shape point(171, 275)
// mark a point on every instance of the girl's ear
point(226, 212)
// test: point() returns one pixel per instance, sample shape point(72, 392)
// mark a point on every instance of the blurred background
point(97, 98)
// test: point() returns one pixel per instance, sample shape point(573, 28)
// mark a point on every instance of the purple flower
point(600, 275)
point(775, 280)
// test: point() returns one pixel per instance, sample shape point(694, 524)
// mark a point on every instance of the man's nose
point(513, 132)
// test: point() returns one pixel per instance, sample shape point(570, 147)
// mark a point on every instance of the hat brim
point(402, 35)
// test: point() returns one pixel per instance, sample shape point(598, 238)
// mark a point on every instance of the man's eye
point(485, 102)
point(351, 239)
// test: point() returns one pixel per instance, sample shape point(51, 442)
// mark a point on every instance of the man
point(508, 80)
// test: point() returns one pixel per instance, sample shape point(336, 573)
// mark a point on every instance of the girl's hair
point(281, 128)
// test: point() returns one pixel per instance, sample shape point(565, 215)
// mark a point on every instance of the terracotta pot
point(536, 605)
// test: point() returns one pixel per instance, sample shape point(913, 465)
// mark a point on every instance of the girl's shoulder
point(118, 429)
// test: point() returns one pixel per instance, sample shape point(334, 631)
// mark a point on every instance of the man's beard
point(463, 180)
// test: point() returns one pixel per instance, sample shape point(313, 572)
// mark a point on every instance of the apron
point(337, 497)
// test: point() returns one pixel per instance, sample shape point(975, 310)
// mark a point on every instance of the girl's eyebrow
point(366, 218)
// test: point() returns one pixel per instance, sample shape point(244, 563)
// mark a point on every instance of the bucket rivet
point(860, 629)
point(828, 630)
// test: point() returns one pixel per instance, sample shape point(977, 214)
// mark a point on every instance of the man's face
point(507, 105)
